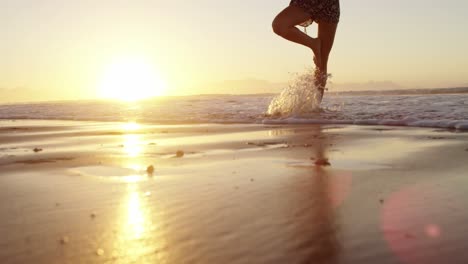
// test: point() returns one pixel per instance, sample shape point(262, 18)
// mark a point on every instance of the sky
point(61, 49)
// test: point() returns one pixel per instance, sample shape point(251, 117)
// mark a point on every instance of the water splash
point(301, 98)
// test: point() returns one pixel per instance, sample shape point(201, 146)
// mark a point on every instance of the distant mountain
point(367, 86)
point(244, 86)
point(457, 90)
point(18, 94)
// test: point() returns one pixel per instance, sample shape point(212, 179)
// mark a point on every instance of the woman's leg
point(285, 25)
point(326, 34)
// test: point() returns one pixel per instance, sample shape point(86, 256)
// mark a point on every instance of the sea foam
point(301, 98)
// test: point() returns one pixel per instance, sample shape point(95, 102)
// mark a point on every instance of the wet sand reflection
point(316, 229)
point(139, 237)
point(315, 238)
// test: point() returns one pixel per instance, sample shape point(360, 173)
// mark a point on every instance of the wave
point(461, 125)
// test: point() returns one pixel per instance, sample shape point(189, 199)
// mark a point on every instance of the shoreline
point(449, 125)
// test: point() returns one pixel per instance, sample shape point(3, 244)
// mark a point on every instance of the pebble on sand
point(37, 150)
point(322, 162)
point(150, 170)
point(93, 215)
point(180, 154)
point(99, 252)
point(64, 240)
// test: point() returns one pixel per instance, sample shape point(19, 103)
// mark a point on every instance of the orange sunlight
point(130, 79)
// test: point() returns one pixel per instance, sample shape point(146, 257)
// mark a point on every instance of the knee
point(279, 27)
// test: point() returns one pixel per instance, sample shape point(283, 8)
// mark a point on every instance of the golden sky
point(60, 49)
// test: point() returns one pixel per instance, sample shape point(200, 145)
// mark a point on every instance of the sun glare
point(131, 79)
point(131, 126)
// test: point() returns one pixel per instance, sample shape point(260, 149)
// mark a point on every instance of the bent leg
point(285, 25)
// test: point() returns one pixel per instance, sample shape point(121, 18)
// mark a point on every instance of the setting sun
point(130, 79)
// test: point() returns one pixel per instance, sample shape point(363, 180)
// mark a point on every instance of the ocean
point(422, 110)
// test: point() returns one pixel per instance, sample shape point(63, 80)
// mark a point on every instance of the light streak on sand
point(133, 145)
point(131, 126)
point(136, 220)
point(139, 234)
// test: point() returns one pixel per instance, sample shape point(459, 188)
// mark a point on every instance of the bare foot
point(320, 78)
point(317, 49)
point(319, 96)
point(320, 82)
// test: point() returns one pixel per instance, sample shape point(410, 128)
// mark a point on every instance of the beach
point(84, 192)
point(233, 132)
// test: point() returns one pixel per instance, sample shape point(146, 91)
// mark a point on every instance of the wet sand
point(79, 192)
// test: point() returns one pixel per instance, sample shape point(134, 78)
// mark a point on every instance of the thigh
point(291, 16)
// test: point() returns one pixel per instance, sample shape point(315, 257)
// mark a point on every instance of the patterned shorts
point(319, 10)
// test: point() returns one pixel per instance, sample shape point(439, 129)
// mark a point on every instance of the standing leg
point(326, 33)
point(285, 25)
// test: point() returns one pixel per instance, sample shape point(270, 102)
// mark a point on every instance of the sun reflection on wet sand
point(136, 221)
point(139, 239)
point(133, 178)
point(131, 126)
point(132, 142)
point(133, 145)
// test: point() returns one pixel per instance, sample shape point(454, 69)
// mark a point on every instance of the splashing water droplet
point(301, 98)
